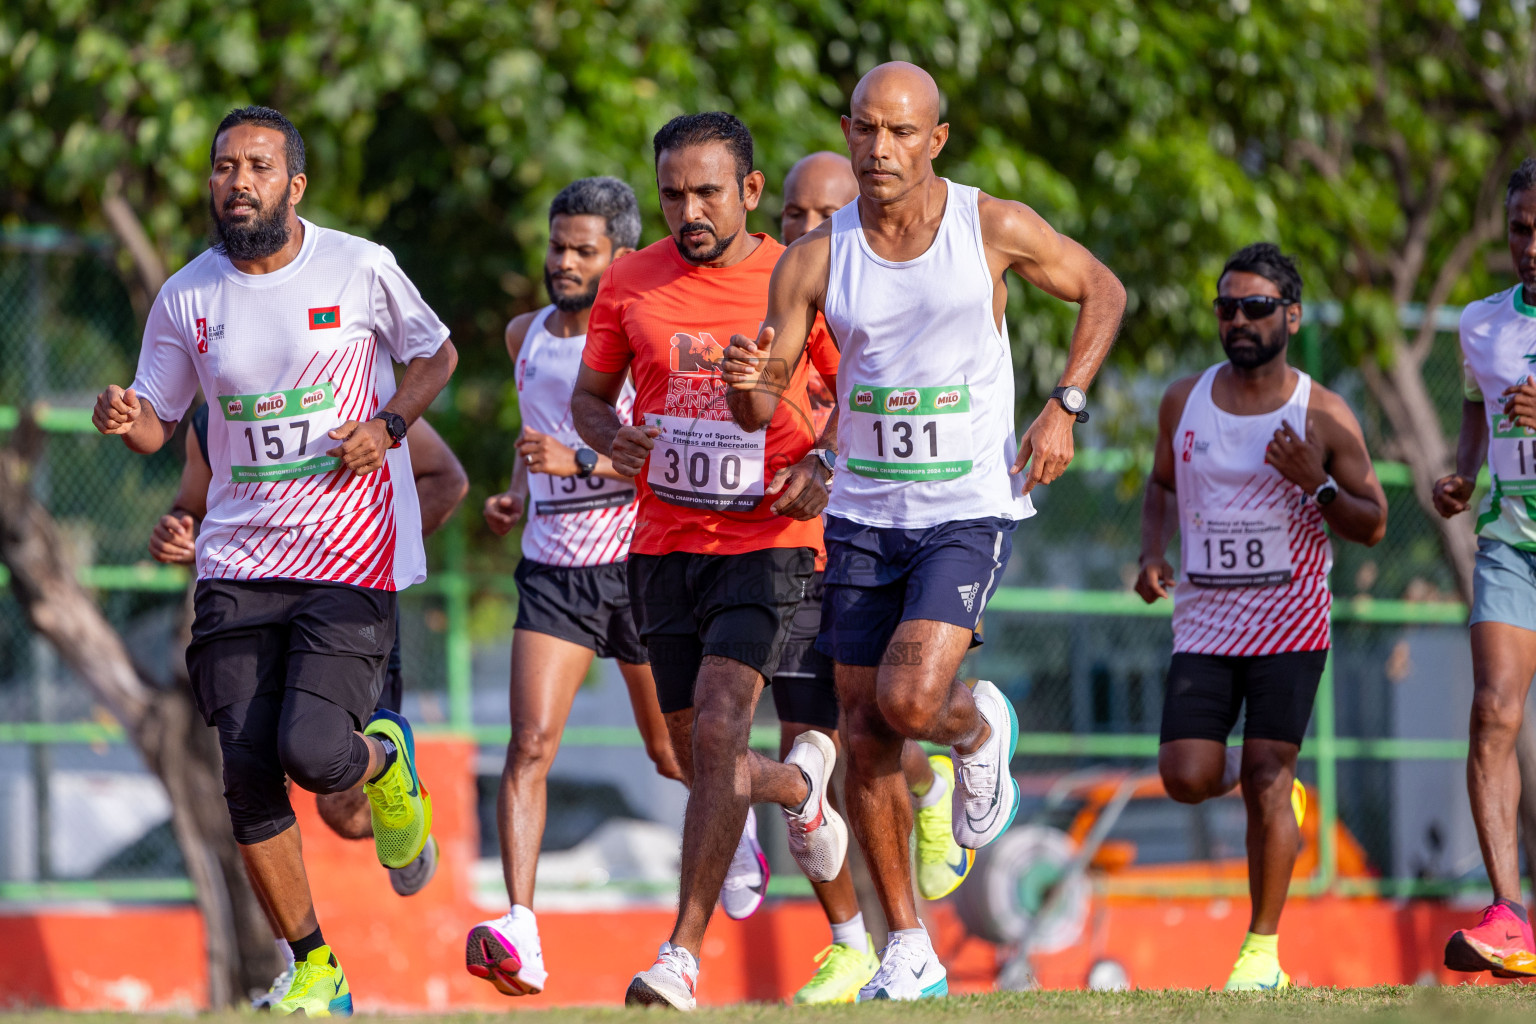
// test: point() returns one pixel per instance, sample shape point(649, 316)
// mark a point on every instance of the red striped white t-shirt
point(1255, 553)
point(283, 358)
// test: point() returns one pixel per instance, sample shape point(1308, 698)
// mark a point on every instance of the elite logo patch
point(323, 317)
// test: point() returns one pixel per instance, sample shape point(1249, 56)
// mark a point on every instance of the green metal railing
point(455, 585)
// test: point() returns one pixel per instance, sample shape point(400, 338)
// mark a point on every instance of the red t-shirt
point(668, 322)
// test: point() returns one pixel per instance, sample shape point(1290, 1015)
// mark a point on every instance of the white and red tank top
point(1255, 554)
point(571, 522)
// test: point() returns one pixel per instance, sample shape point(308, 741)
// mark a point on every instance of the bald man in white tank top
point(1256, 459)
point(930, 482)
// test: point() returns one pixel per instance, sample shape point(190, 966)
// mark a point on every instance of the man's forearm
point(1472, 445)
point(424, 377)
point(1098, 323)
point(1159, 509)
point(1354, 518)
point(596, 421)
point(439, 494)
point(752, 410)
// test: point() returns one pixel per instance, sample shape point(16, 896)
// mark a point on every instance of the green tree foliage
point(1369, 136)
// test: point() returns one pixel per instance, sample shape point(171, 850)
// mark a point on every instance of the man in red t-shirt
point(727, 531)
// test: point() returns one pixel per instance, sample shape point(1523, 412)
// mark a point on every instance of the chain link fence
point(1079, 655)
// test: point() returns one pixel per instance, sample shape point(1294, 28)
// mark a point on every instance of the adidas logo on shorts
point(367, 633)
point(968, 595)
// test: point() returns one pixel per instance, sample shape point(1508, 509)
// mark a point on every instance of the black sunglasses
point(1255, 307)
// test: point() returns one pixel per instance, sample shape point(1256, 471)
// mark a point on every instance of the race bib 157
point(281, 435)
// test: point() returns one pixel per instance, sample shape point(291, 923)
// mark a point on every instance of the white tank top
point(1255, 554)
point(571, 522)
point(925, 383)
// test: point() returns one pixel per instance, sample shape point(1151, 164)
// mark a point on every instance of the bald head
point(893, 131)
point(815, 188)
point(899, 85)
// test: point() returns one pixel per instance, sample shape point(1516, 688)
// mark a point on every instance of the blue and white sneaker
point(986, 797)
point(909, 969)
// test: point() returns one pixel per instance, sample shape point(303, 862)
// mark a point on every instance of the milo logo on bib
point(312, 399)
point(233, 408)
point(910, 433)
point(271, 405)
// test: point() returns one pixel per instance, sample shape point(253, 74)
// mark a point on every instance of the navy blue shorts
point(879, 577)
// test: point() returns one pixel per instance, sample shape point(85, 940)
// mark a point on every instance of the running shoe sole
point(1463, 954)
point(489, 956)
point(640, 993)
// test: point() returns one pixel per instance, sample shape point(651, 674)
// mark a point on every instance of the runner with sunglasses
point(1256, 459)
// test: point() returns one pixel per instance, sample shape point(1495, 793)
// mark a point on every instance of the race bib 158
point(1234, 548)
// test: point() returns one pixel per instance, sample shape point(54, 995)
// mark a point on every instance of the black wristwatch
point(395, 424)
point(1073, 400)
point(1326, 492)
point(586, 462)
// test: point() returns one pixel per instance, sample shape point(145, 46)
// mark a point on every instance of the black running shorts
point(587, 605)
point(252, 637)
point(689, 606)
point(1205, 692)
point(804, 690)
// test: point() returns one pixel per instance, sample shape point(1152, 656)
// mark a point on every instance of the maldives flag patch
point(322, 317)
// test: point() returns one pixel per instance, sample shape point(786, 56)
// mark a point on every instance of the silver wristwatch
point(1327, 491)
point(828, 458)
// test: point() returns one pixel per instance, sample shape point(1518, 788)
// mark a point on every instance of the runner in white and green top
point(1498, 426)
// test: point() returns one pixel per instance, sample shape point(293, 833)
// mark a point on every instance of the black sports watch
point(1326, 492)
point(586, 462)
point(395, 424)
point(1073, 400)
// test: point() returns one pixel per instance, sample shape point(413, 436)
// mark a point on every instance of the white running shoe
point(411, 879)
point(986, 797)
point(909, 969)
point(818, 838)
point(274, 995)
point(670, 981)
point(506, 953)
point(746, 883)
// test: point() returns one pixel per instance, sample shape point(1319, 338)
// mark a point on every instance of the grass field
point(1388, 1005)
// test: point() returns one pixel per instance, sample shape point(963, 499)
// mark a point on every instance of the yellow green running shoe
point(401, 806)
point(942, 863)
point(319, 988)
point(842, 971)
point(1256, 970)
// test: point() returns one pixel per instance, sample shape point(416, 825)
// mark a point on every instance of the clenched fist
point(502, 511)
point(116, 410)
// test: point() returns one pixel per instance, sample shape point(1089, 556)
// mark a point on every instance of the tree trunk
point(175, 744)
point(1420, 442)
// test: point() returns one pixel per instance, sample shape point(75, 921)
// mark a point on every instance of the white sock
point(939, 790)
point(1234, 769)
point(852, 933)
point(523, 915)
point(919, 934)
point(285, 951)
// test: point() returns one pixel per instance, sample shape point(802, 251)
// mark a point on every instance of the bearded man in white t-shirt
point(291, 331)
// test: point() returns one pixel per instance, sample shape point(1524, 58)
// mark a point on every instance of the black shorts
point(1205, 692)
point(690, 606)
point(804, 690)
point(393, 692)
point(251, 637)
point(587, 605)
point(879, 577)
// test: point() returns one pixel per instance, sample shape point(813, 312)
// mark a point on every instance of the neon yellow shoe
point(401, 806)
point(1299, 801)
point(1256, 971)
point(942, 863)
point(319, 988)
point(842, 972)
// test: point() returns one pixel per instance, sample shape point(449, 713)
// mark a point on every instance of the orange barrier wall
point(407, 954)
